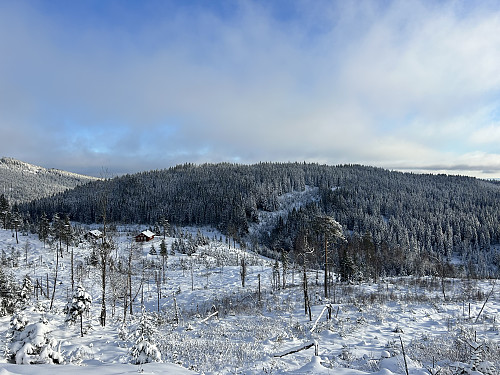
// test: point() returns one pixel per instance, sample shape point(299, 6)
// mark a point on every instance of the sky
point(127, 86)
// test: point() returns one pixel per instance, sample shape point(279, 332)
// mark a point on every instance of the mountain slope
point(21, 182)
point(397, 215)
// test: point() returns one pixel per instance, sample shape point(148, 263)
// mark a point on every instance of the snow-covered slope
point(21, 181)
point(203, 320)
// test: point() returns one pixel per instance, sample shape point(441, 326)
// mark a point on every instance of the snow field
point(364, 335)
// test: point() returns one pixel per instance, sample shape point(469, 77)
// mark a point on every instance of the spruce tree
point(152, 250)
point(4, 210)
point(164, 257)
point(7, 294)
point(79, 305)
point(43, 228)
point(144, 349)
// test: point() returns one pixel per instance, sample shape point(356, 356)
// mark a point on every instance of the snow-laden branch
point(327, 307)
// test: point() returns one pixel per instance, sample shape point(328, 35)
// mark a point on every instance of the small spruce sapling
point(145, 350)
point(79, 305)
point(32, 344)
point(8, 293)
point(152, 251)
point(26, 291)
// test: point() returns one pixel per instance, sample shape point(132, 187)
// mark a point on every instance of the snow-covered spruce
point(25, 292)
point(8, 293)
point(144, 352)
point(32, 344)
point(79, 305)
point(145, 349)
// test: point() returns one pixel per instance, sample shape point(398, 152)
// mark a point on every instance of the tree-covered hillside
point(22, 182)
point(427, 216)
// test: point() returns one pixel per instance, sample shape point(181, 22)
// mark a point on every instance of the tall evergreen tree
point(43, 228)
point(164, 257)
point(16, 222)
point(4, 210)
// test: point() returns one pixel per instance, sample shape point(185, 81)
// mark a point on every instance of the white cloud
point(489, 134)
point(399, 84)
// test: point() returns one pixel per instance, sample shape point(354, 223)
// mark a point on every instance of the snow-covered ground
point(369, 327)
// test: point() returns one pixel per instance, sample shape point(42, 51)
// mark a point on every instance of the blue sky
point(129, 86)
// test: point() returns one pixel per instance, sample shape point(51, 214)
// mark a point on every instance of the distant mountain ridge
point(22, 182)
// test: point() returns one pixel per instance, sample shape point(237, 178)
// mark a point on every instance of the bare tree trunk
point(55, 280)
point(72, 271)
point(125, 304)
point(326, 267)
point(158, 288)
point(192, 276)
point(81, 324)
point(304, 285)
point(259, 287)
point(103, 296)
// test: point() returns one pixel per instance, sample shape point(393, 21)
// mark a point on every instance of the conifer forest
point(270, 268)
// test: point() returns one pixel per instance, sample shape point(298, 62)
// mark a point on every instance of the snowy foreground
point(208, 323)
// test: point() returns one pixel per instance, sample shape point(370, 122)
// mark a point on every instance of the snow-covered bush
point(32, 344)
point(458, 350)
point(79, 354)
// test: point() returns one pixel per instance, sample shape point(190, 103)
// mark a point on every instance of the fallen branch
point(208, 317)
point(327, 307)
point(299, 348)
point(487, 298)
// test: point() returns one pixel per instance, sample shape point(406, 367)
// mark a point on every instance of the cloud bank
point(410, 85)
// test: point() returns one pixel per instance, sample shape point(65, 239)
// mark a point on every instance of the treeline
point(420, 216)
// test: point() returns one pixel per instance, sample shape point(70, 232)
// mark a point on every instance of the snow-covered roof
point(148, 233)
point(96, 233)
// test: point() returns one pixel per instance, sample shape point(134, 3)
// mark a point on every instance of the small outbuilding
point(93, 234)
point(144, 236)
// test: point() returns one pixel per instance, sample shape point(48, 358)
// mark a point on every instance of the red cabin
point(144, 236)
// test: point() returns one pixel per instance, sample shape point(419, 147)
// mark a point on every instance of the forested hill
point(434, 214)
point(21, 182)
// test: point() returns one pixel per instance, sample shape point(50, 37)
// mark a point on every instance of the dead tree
point(330, 230)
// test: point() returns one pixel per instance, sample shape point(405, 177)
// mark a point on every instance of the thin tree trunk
point(129, 275)
point(55, 280)
point(72, 271)
point(258, 276)
point(326, 268)
point(304, 285)
point(103, 302)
